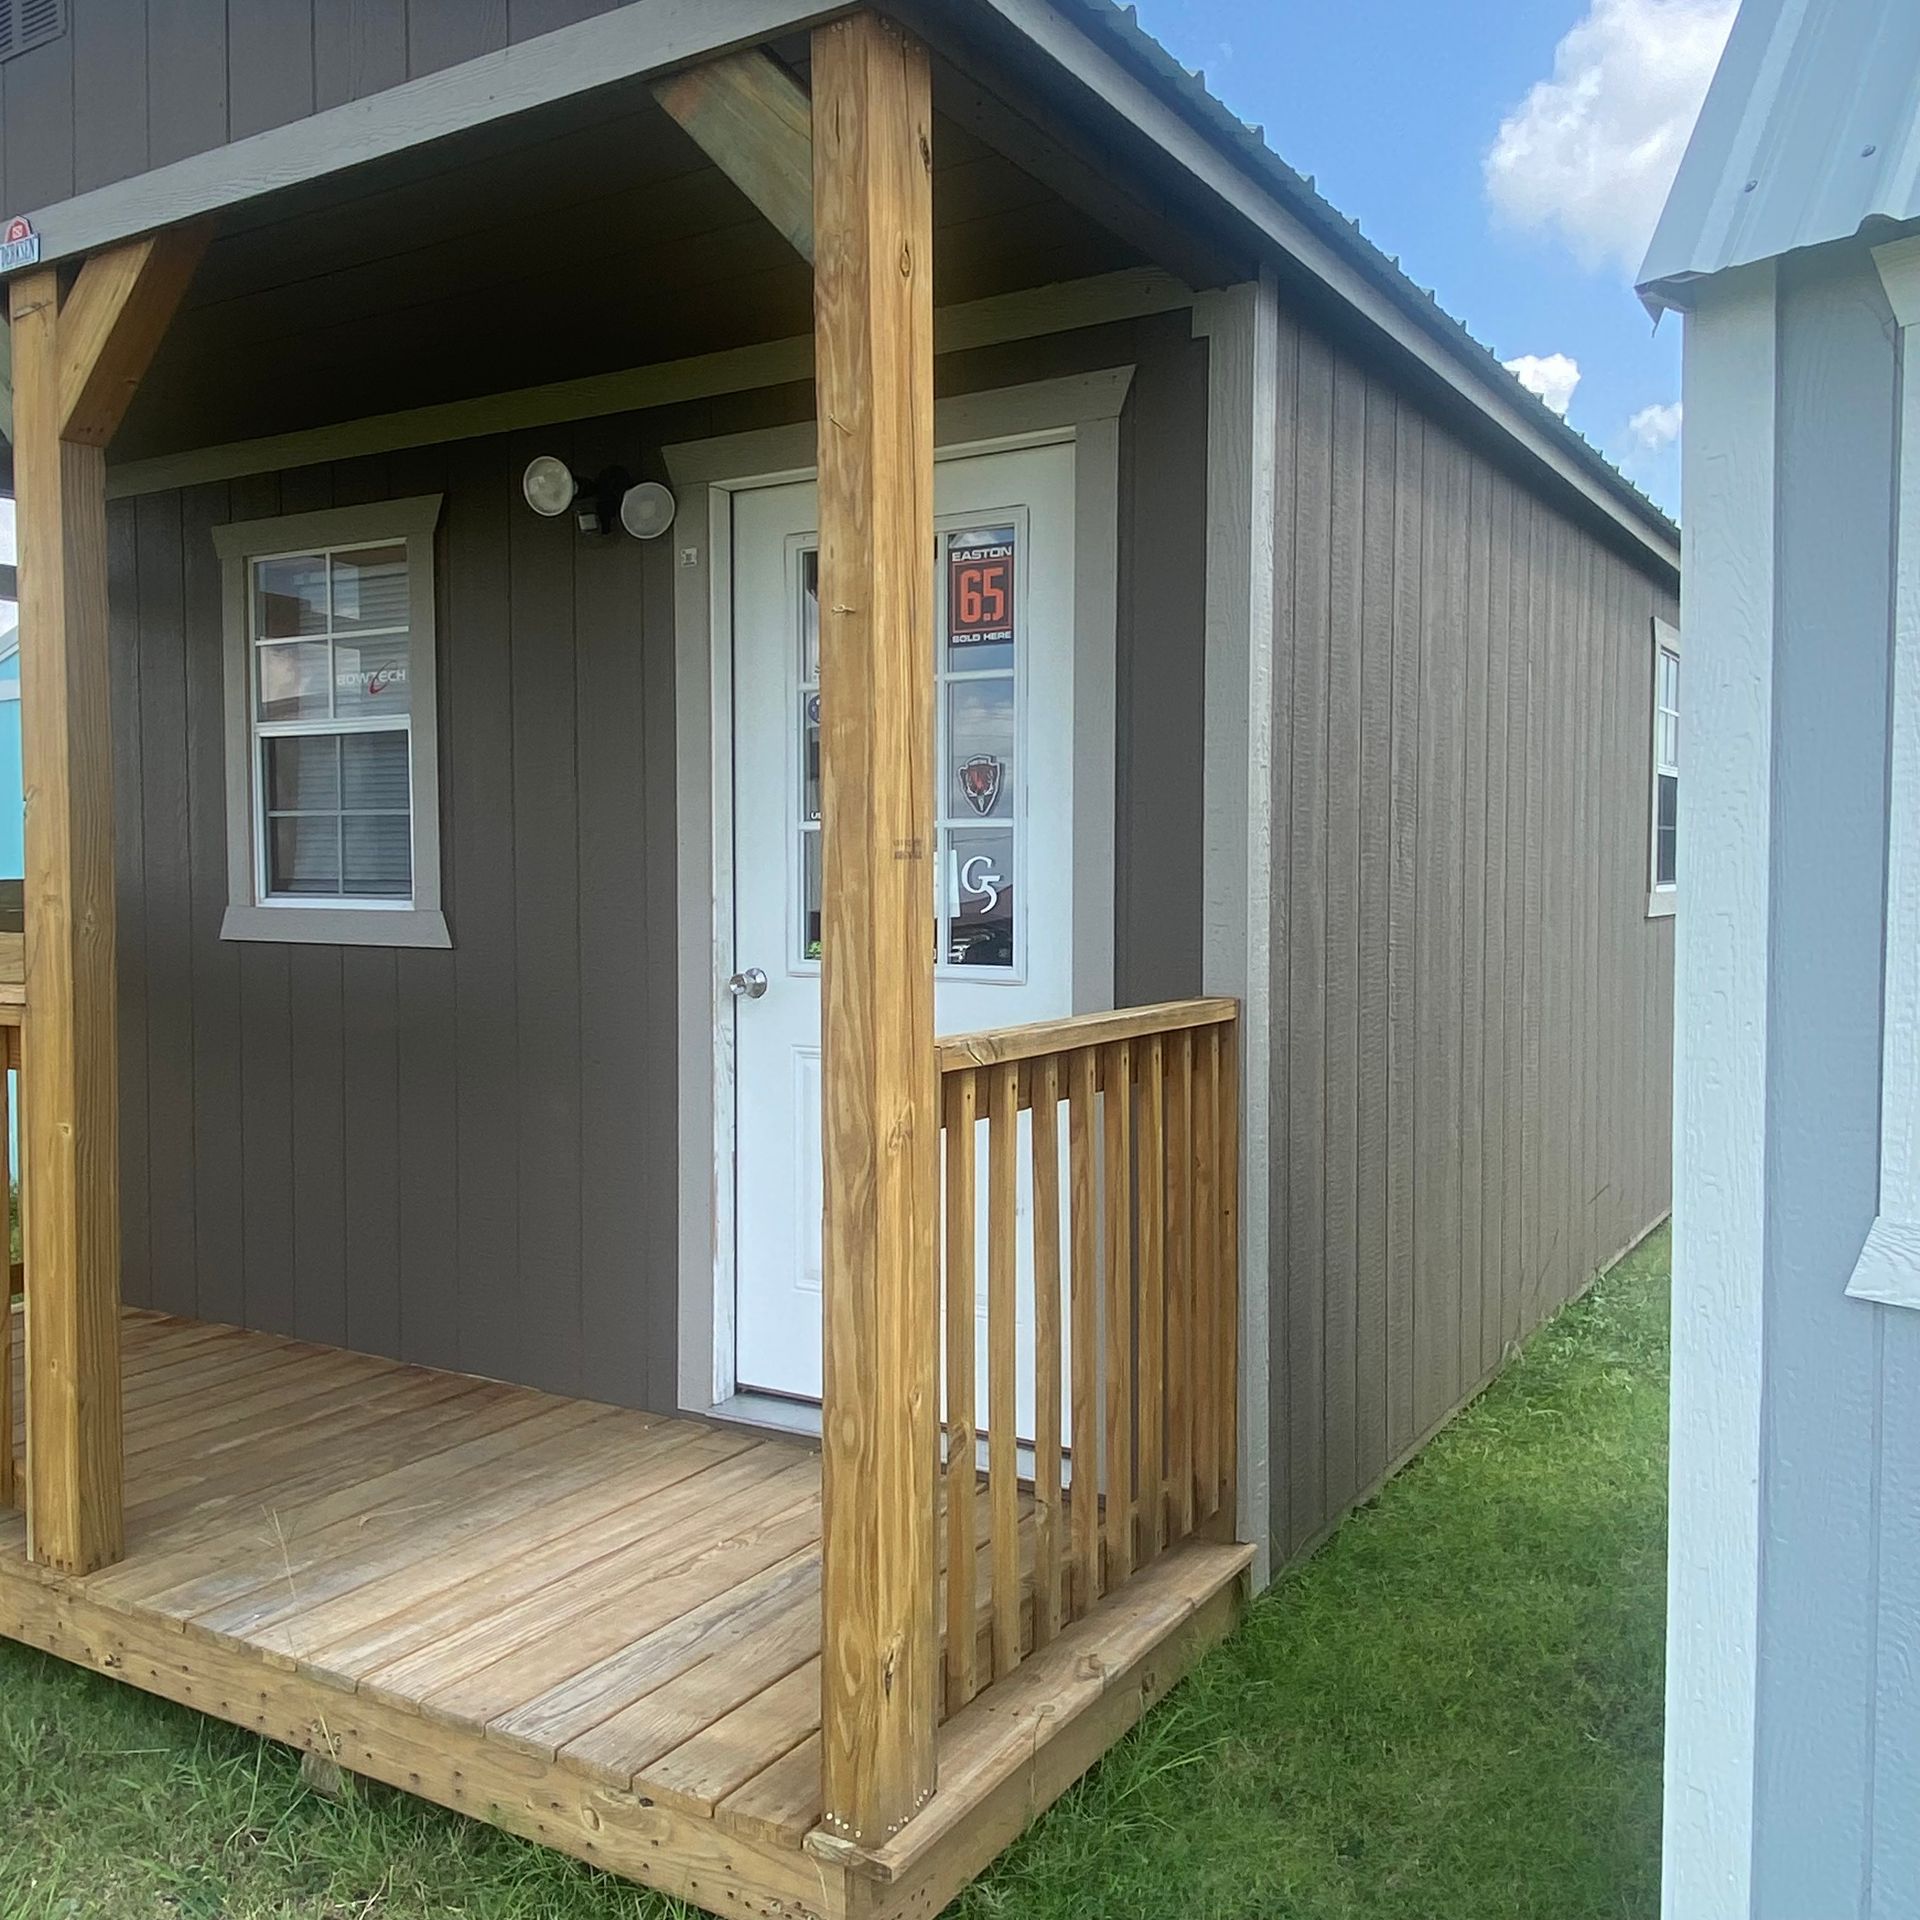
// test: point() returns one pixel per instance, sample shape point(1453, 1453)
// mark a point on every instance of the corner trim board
point(1241, 327)
point(1722, 993)
point(1888, 1270)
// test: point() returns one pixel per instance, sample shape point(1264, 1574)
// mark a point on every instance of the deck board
point(576, 1620)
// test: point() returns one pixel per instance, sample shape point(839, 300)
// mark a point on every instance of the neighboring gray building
point(1791, 242)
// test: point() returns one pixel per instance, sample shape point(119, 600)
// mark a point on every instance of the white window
point(1665, 810)
point(332, 763)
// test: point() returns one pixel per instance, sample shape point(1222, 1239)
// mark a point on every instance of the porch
point(603, 1629)
point(761, 1675)
point(597, 1628)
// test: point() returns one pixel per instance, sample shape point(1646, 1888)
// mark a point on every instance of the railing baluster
point(962, 1471)
point(1117, 1112)
point(1003, 1440)
point(1226, 1048)
point(1046, 1349)
point(1084, 1305)
point(1152, 1177)
point(1206, 1106)
point(1182, 1328)
point(1149, 1211)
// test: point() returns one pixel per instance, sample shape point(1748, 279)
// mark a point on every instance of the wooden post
point(873, 307)
point(76, 362)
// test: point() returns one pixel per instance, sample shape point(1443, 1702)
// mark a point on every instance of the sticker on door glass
point(980, 897)
point(980, 599)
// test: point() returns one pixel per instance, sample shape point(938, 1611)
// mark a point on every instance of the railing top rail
point(1001, 1045)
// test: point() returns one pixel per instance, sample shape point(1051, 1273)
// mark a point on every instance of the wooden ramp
point(596, 1628)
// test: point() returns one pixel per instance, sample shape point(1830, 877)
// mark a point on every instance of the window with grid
point(331, 722)
point(1666, 758)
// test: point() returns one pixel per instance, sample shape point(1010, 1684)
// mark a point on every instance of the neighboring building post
point(76, 362)
point(873, 308)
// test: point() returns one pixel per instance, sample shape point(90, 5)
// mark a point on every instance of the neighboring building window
point(1666, 766)
point(332, 764)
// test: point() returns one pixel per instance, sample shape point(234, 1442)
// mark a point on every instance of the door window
point(979, 805)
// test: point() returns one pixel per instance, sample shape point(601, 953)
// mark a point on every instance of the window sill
point(1888, 1270)
point(1660, 906)
point(338, 926)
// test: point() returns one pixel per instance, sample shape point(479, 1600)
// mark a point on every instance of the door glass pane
point(980, 743)
point(980, 599)
point(810, 617)
point(980, 897)
point(293, 680)
point(809, 895)
point(809, 756)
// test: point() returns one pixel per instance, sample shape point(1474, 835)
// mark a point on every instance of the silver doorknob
point(749, 985)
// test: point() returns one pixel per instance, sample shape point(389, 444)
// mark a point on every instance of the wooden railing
point(1131, 1264)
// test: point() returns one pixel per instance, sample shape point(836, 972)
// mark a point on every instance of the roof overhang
point(1085, 48)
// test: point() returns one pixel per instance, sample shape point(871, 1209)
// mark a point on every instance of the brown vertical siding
point(135, 84)
point(1472, 1012)
point(470, 1158)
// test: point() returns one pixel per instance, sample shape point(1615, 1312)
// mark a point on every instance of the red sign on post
point(980, 595)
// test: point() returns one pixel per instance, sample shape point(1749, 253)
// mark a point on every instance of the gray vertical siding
point(1472, 1012)
point(135, 84)
point(468, 1158)
point(1838, 1769)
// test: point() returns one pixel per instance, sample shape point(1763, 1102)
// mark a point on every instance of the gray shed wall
point(1837, 1807)
point(468, 1159)
point(1472, 1013)
point(135, 84)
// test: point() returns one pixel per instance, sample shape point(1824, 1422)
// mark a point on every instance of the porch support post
point(873, 308)
point(76, 361)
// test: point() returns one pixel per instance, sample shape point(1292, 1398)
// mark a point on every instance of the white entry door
point(1002, 913)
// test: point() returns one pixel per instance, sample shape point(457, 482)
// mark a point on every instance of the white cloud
point(1655, 427)
point(1591, 152)
point(1553, 376)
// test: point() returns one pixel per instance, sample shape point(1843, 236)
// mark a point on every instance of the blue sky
point(1395, 107)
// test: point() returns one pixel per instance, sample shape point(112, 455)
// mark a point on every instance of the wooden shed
point(841, 868)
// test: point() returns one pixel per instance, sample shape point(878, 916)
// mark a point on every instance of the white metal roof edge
point(1809, 134)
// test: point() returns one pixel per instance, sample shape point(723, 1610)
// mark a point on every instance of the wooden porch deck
point(596, 1628)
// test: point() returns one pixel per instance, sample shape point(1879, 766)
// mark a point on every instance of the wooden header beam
point(76, 362)
point(873, 327)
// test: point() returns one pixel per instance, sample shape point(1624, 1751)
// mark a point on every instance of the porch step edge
point(1014, 1750)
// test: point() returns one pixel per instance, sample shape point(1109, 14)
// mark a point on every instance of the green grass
point(1452, 1712)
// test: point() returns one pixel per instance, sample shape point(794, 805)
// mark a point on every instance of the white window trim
point(416, 923)
point(1661, 901)
point(1888, 1269)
